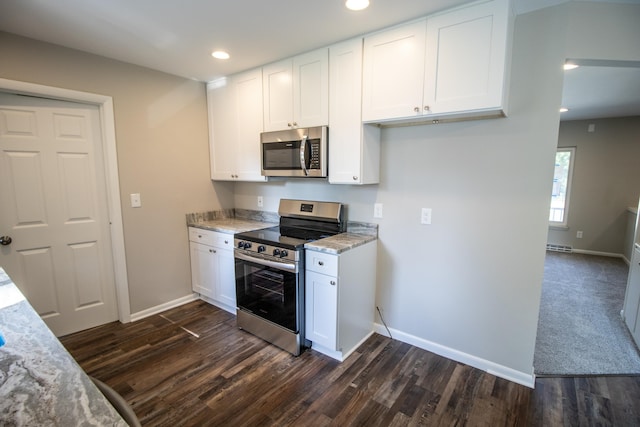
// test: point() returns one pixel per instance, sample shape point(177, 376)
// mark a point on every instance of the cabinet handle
point(320, 263)
point(333, 282)
point(199, 236)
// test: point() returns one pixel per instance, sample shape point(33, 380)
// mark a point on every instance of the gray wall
point(606, 181)
point(473, 282)
point(162, 143)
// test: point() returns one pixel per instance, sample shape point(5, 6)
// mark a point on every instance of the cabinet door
point(345, 106)
point(393, 73)
point(248, 112)
point(321, 309)
point(311, 89)
point(226, 284)
point(221, 104)
point(465, 58)
point(354, 152)
point(278, 95)
point(235, 123)
point(203, 271)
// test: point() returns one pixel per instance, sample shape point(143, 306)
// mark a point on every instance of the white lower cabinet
point(340, 299)
point(212, 267)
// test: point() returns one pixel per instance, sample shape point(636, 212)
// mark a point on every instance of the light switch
point(135, 200)
point(426, 216)
point(377, 210)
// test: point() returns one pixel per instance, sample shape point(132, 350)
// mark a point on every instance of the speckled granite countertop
point(40, 383)
point(231, 225)
point(232, 221)
point(238, 221)
point(340, 242)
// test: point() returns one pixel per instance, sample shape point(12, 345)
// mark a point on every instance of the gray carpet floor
point(580, 330)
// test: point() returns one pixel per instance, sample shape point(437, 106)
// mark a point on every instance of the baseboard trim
point(522, 378)
point(588, 252)
point(162, 307)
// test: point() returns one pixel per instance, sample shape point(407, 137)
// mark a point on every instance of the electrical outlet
point(425, 217)
point(579, 234)
point(377, 210)
point(260, 201)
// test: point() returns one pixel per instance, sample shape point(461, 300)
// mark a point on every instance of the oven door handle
point(303, 160)
point(267, 262)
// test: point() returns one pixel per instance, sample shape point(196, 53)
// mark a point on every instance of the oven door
point(269, 289)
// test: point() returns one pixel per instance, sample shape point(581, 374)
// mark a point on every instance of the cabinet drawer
point(223, 240)
point(322, 263)
point(211, 238)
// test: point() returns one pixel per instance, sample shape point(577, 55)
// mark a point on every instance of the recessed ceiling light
point(563, 109)
point(569, 66)
point(220, 54)
point(357, 4)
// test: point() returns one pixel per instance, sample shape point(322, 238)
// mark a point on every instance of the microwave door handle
point(303, 161)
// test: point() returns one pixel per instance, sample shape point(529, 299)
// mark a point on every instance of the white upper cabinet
point(235, 123)
point(450, 65)
point(354, 148)
point(296, 92)
point(466, 58)
point(393, 72)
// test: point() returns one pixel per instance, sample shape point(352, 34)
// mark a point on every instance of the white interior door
point(53, 205)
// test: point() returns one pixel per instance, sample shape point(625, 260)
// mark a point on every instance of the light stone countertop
point(40, 382)
point(231, 225)
point(238, 221)
point(340, 242)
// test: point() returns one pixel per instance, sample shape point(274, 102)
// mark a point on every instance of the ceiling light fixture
point(563, 109)
point(220, 54)
point(569, 66)
point(356, 4)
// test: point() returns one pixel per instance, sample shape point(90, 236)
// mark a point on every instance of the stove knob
point(276, 252)
point(247, 245)
point(261, 248)
point(283, 253)
point(240, 245)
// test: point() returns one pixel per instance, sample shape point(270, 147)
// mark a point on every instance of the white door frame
point(107, 125)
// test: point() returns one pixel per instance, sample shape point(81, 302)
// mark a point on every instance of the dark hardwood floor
point(191, 366)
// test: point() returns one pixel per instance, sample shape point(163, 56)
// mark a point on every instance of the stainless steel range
point(270, 266)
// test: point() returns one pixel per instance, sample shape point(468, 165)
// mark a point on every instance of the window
point(561, 186)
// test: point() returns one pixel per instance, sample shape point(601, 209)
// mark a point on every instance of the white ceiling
point(178, 37)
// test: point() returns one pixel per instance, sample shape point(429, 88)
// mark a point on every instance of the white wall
point(470, 282)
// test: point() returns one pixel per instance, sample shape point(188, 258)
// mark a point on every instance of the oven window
point(267, 292)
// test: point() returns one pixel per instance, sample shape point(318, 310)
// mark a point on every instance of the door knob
point(5, 240)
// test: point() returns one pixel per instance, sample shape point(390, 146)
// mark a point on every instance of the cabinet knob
point(321, 263)
point(226, 242)
point(289, 125)
point(416, 109)
point(427, 108)
point(355, 178)
point(333, 282)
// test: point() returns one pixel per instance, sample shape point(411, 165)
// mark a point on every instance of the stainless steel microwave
point(295, 152)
